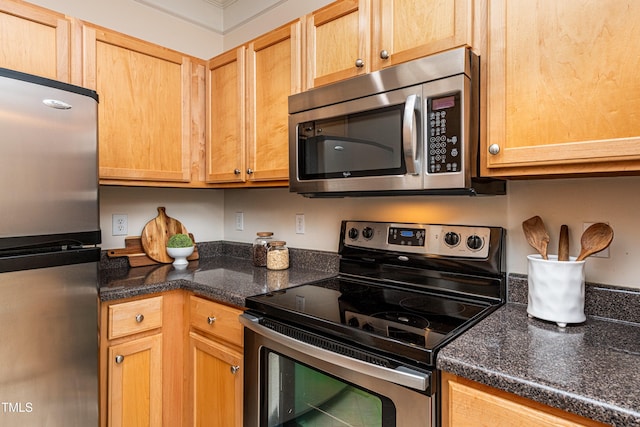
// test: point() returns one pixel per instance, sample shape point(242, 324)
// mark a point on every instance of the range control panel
point(427, 239)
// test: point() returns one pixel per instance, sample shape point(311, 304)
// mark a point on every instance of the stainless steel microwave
point(408, 129)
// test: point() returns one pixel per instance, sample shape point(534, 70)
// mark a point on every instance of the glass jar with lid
point(277, 255)
point(260, 245)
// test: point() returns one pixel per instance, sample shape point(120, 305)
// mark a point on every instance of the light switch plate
point(300, 223)
point(239, 221)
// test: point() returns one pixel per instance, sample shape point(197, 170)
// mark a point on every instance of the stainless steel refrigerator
point(49, 231)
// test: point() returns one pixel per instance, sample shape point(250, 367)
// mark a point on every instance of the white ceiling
point(220, 16)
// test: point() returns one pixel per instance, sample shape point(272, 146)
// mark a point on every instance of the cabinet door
point(34, 40)
point(226, 117)
point(144, 115)
point(135, 383)
point(410, 29)
point(469, 404)
point(216, 384)
point(563, 91)
point(273, 73)
point(338, 42)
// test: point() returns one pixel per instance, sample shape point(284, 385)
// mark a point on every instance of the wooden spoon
point(594, 239)
point(536, 234)
point(563, 245)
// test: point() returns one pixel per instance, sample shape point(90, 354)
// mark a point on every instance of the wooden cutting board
point(137, 257)
point(156, 233)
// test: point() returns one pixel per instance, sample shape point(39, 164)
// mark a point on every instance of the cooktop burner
point(403, 289)
point(369, 314)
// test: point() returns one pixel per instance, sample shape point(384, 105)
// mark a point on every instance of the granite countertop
point(589, 369)
point(223, 278)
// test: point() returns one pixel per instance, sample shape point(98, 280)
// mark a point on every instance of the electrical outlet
point(603, 253)
point(239, 221)
point(119, 225)
point(300, 223)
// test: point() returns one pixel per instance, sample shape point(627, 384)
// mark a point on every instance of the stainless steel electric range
point(368, 338)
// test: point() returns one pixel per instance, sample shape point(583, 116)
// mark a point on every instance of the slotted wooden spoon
point(536, 235)
point(594, 239)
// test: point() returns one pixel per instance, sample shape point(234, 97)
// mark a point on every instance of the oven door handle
point(411, 134)
point(402, 375)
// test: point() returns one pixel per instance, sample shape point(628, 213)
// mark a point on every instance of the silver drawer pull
point(235, 369)
point(211, 320)
point(119, 359)
point(139, 318)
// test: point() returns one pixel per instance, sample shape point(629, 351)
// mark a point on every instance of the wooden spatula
point(536, 234)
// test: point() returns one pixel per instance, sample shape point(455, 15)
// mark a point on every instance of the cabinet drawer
point(216, 319)
point(129, 318)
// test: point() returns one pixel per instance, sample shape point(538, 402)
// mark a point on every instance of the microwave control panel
point(444, 134)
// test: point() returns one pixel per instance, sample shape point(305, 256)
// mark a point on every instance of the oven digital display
point(406, 236)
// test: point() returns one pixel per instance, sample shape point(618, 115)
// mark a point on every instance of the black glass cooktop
point(400, 321)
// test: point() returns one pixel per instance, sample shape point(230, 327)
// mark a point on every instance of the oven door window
point(353, 145)
point(297, 395)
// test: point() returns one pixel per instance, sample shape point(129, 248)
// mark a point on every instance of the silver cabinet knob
point(249, 171)
point(235, 369)
point(236, 171)
point(211, 320)
point(384, 54)
point(139, 318)
point(359, 63)
point(494, 149)
point(119, 359)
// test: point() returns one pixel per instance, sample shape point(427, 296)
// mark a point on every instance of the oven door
point(289, 382)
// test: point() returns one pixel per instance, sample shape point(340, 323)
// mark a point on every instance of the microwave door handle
point(410, 134)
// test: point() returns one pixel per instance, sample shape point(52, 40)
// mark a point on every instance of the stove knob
point(452, 238)
point(367, 233)
point(353, 233)
point(367, 327)
point(475, 242)
point(353, 322)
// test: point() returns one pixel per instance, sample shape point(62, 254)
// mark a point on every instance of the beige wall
point(557, 201)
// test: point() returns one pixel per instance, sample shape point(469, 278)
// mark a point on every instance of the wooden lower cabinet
point(468, 403)
point(141, 360)
point(170, 359)
point(135, 382)
point(215, 365)
point(216, 383)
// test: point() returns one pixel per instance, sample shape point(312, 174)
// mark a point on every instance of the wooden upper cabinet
point(144, 121)
point(34, 40)
point(248, 90)
point(409, 29)
point(563, 90)
point(273, 73)
point(226, 117)
point(338, 42)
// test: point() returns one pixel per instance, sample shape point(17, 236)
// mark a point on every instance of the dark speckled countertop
point(225, 278)
point(590, 369)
